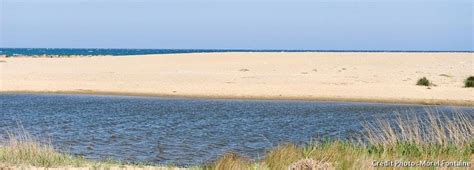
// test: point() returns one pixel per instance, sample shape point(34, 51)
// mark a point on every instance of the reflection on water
point(184, 131)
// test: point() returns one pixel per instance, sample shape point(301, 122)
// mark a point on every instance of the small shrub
point(423, 82)
point(469, 82)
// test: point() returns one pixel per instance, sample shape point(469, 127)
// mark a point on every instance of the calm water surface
point(184, 131)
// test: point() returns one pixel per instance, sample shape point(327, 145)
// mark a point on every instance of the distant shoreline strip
point(462, 103)
point(121, 52)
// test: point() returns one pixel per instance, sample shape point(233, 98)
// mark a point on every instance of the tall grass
point(431, 136)
point(432, 128)
point(20, 148)
point(232, 161)
point(283, 156)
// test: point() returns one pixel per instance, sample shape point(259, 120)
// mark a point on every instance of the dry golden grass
point(433, 128)
point(232, 161)
point(282, 156)
point(23, 149)
point(430, 136)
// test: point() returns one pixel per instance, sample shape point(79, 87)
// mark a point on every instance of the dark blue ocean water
point(115, 52)
point(96, 51)
point(187, 131)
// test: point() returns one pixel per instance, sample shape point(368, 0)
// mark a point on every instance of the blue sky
point(239, 24)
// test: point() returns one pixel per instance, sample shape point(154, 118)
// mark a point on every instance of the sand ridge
point(340, 76)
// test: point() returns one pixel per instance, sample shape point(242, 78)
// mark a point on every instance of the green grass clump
point(469, 82)
point(423, 82)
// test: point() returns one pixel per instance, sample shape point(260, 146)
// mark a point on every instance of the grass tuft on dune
point(469, 82)
point(423, 82)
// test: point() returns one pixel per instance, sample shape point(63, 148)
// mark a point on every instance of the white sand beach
point(338, 76)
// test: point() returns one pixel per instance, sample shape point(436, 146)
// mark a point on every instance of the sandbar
point(333, 76)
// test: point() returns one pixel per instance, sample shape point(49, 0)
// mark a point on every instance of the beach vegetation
point(232, 161)
point(469, 82)
point(423, 82)
point(430, 136)
point(22, 149)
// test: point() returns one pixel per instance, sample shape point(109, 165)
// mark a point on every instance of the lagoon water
point(185, 131)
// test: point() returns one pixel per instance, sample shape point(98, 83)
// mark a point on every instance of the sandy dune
point(378, 77)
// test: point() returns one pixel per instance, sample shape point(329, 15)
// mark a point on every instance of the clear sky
point(239, 24)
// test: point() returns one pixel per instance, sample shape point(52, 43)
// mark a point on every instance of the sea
point(12, 52)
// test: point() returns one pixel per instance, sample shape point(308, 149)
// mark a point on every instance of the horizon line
point(241, 49)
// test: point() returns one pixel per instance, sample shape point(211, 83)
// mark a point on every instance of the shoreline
point(268, 98)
